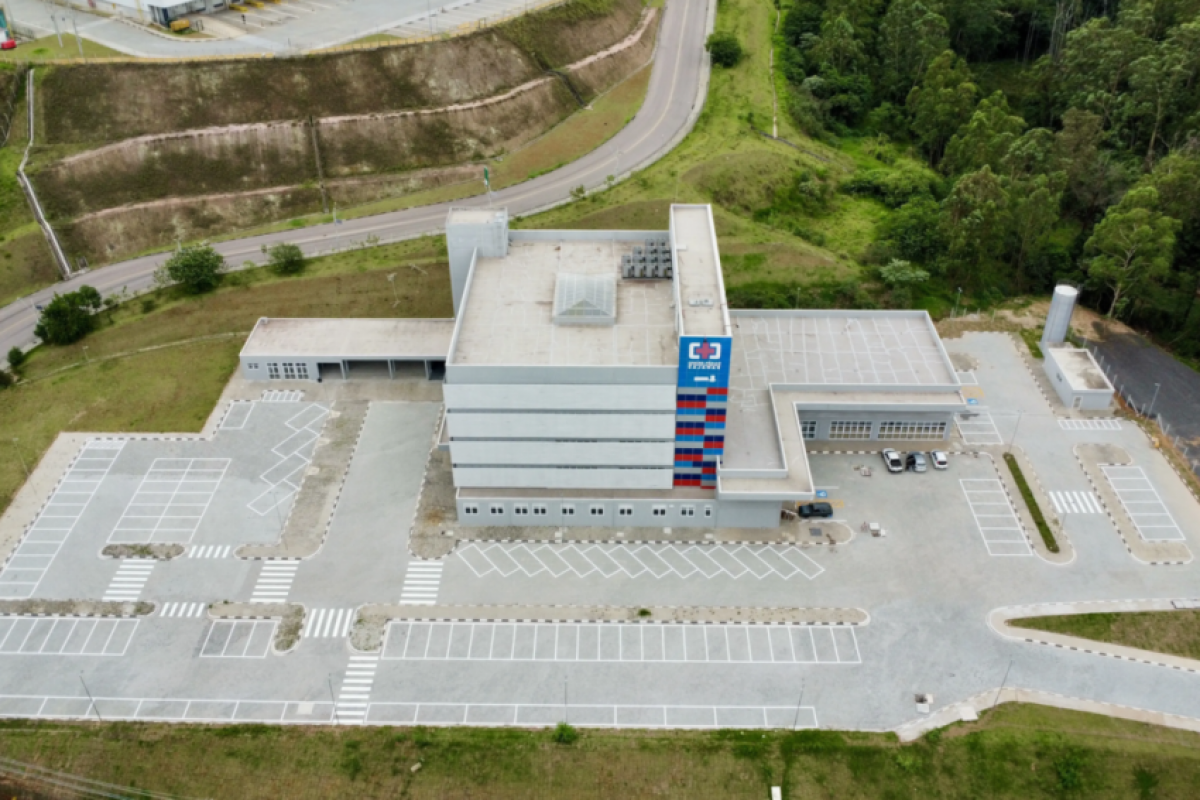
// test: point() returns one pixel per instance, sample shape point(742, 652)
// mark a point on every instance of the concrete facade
point(1077, 378)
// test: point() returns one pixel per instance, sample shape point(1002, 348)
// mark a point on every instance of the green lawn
point(47, 49)
point(1173, 632)
point(1014, 751)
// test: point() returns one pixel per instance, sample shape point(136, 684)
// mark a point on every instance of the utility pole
point(332, 699)
point(954, 313)
point(1016, 428)
point(1150, 413)
point(78, 41)
point(796, 721)
point(57, 32)
point(392, 281)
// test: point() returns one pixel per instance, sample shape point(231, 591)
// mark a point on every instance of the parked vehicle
point(892, 460)
point(940, 459)
point(915, 462)
point(815, 510)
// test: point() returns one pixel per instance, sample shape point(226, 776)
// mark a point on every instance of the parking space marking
point(978, 428)
point(1143, 505)
point(179, 610)
point(294, 453)
point(1076, 503)
point(421, 583)
point(237, 416)
point(1090, 424)
point(995, 518)
point(130, 579)
point(968, 378)
point(238, 638)
point(57, 636)
point(282, 396)
point(209, 551)
point(329, 623)
point(171, 500)
point(42, 541)
point(274, 581)
point(355, 693)
point(657, 561)
point(614, 642)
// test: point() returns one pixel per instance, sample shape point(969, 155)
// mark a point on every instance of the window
point(252, 366)
point(539, 511)
point(687, 511)
point(521, 511)
point(850, 430)
point(496, 510)
point(708, 511)
point(289, 371)
point(273, 371)
point(912, 430)
point(568, 511)
point(808, 427)
point(596, 511)
point(624, 511)
point(471, 509)
point(659, 511)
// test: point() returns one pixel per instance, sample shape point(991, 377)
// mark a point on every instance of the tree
point(1131, 246)
point(910, 37)
point(985, 139)
point(286, 259)
point(1159, 85)
point(901, 277)
point(975, 222)
point(1096, 66)
point(941, 102)
point(1092, 178)
point(837, 47)
point(974, 27)
point(197, 268)
point(16, 358)
point(914, 232)
point(68, 317)
point(1035, 153)
point(1034, 205)
point(725, 49)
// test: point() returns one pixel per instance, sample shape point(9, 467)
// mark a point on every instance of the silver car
point(892, 460)
point(940, 459)
point(915, 462)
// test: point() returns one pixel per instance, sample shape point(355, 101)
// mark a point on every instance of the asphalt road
point(678, 84)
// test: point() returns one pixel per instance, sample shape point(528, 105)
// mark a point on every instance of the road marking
point(237, 416)
point(44, 538)
point(421, 583)
point(274, 581)
point(329, 623)
point(238, 638)
point(131, 577)
point(613, 642)
point(968, 378)
point(282, 396)
point(171, 500)
point(1090, 424)
point(179, 610)
point(978, 428)
point(295, 454)
point(1076, 503)
point(1143, 504)
point(354, 695)
point(56, 636)
point(658, 561)
point(209, 551)
point(995, 518)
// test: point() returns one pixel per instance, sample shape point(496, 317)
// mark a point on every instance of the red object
point(8, 44)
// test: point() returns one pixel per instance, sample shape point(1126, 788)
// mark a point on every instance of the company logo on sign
point(704, 361)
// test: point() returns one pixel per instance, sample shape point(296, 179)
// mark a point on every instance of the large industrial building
point(599, 378)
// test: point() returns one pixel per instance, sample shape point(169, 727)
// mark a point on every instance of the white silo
point(1058, 321)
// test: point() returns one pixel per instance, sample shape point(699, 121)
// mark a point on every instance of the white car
point(892, 460)
point(940, 459)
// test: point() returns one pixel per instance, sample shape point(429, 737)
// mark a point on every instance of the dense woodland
point(1061, 141)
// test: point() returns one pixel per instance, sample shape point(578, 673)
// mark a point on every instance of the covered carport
point(343, 349)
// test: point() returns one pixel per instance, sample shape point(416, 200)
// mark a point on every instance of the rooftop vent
point(585, 299)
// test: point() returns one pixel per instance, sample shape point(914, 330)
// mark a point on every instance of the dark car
point(816, 510)
point(915, 462)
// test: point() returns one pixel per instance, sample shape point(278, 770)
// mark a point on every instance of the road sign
point(822, 493)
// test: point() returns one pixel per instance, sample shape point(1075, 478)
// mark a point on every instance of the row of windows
point(539, 510)
point(286, 370)
point(850, 430)
point(861, 429)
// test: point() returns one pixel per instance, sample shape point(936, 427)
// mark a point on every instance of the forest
point(1060, 141)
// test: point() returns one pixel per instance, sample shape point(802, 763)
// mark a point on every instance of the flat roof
point(1080, 369)
point(785, 423)
point(508, 316)
point(702, 301)
point(475, 216)
point(398, 339)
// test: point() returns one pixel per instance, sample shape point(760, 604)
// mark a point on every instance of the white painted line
point(1089, 424)
point(1143, 504)
point(995, 518)
point(171, 501)
point(238, 638)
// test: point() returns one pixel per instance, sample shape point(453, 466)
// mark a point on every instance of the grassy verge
point(1176, 633)
point(47, 49)
point(1035, 510)
point(25, 260)
point(1013, 751)
point(1033, 340)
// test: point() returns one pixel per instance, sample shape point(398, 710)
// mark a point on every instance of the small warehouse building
point(1077, 378)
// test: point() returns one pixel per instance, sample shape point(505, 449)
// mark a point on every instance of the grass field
point(1176, 633)
point(1014, 751)
point(47, 49)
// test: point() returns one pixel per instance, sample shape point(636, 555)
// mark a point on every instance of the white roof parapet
point(701, 307)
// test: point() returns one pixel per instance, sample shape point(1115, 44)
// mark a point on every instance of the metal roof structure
point(585, 299)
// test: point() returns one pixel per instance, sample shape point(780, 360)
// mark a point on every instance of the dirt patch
point(161, 552)
point(75, 608)
point(290, 616)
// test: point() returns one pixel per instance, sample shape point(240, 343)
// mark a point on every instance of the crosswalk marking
point(42, 542)
point(421, 583)
point(994, 516)
point(355, 693)
point(329, 623)
point(1076, 503)
point(183, 609)
point(633, 561)
point(210, 551)
point(274, 581)
point(1090, 424)
point(130, 579)
point(282, 396)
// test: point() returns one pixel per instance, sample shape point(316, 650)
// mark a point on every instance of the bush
point(894, 187)
point(286, 259)
point(16, 357)
point(68, 317)
point(565, 734)
point(1034, 509)
point(197, 268)
point(6, 379)
point(725, 49)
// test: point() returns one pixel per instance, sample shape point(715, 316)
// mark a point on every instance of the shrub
point(1034, 509)
point(565, 734)
point(286, 259)
point(6, 379)
point(725, 49)
point(197, 268)
point(16, 357)
point(68, 317)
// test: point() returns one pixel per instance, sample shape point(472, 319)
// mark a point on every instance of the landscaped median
point(1031, 502)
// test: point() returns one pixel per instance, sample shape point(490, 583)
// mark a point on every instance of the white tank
point(1058, 321)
